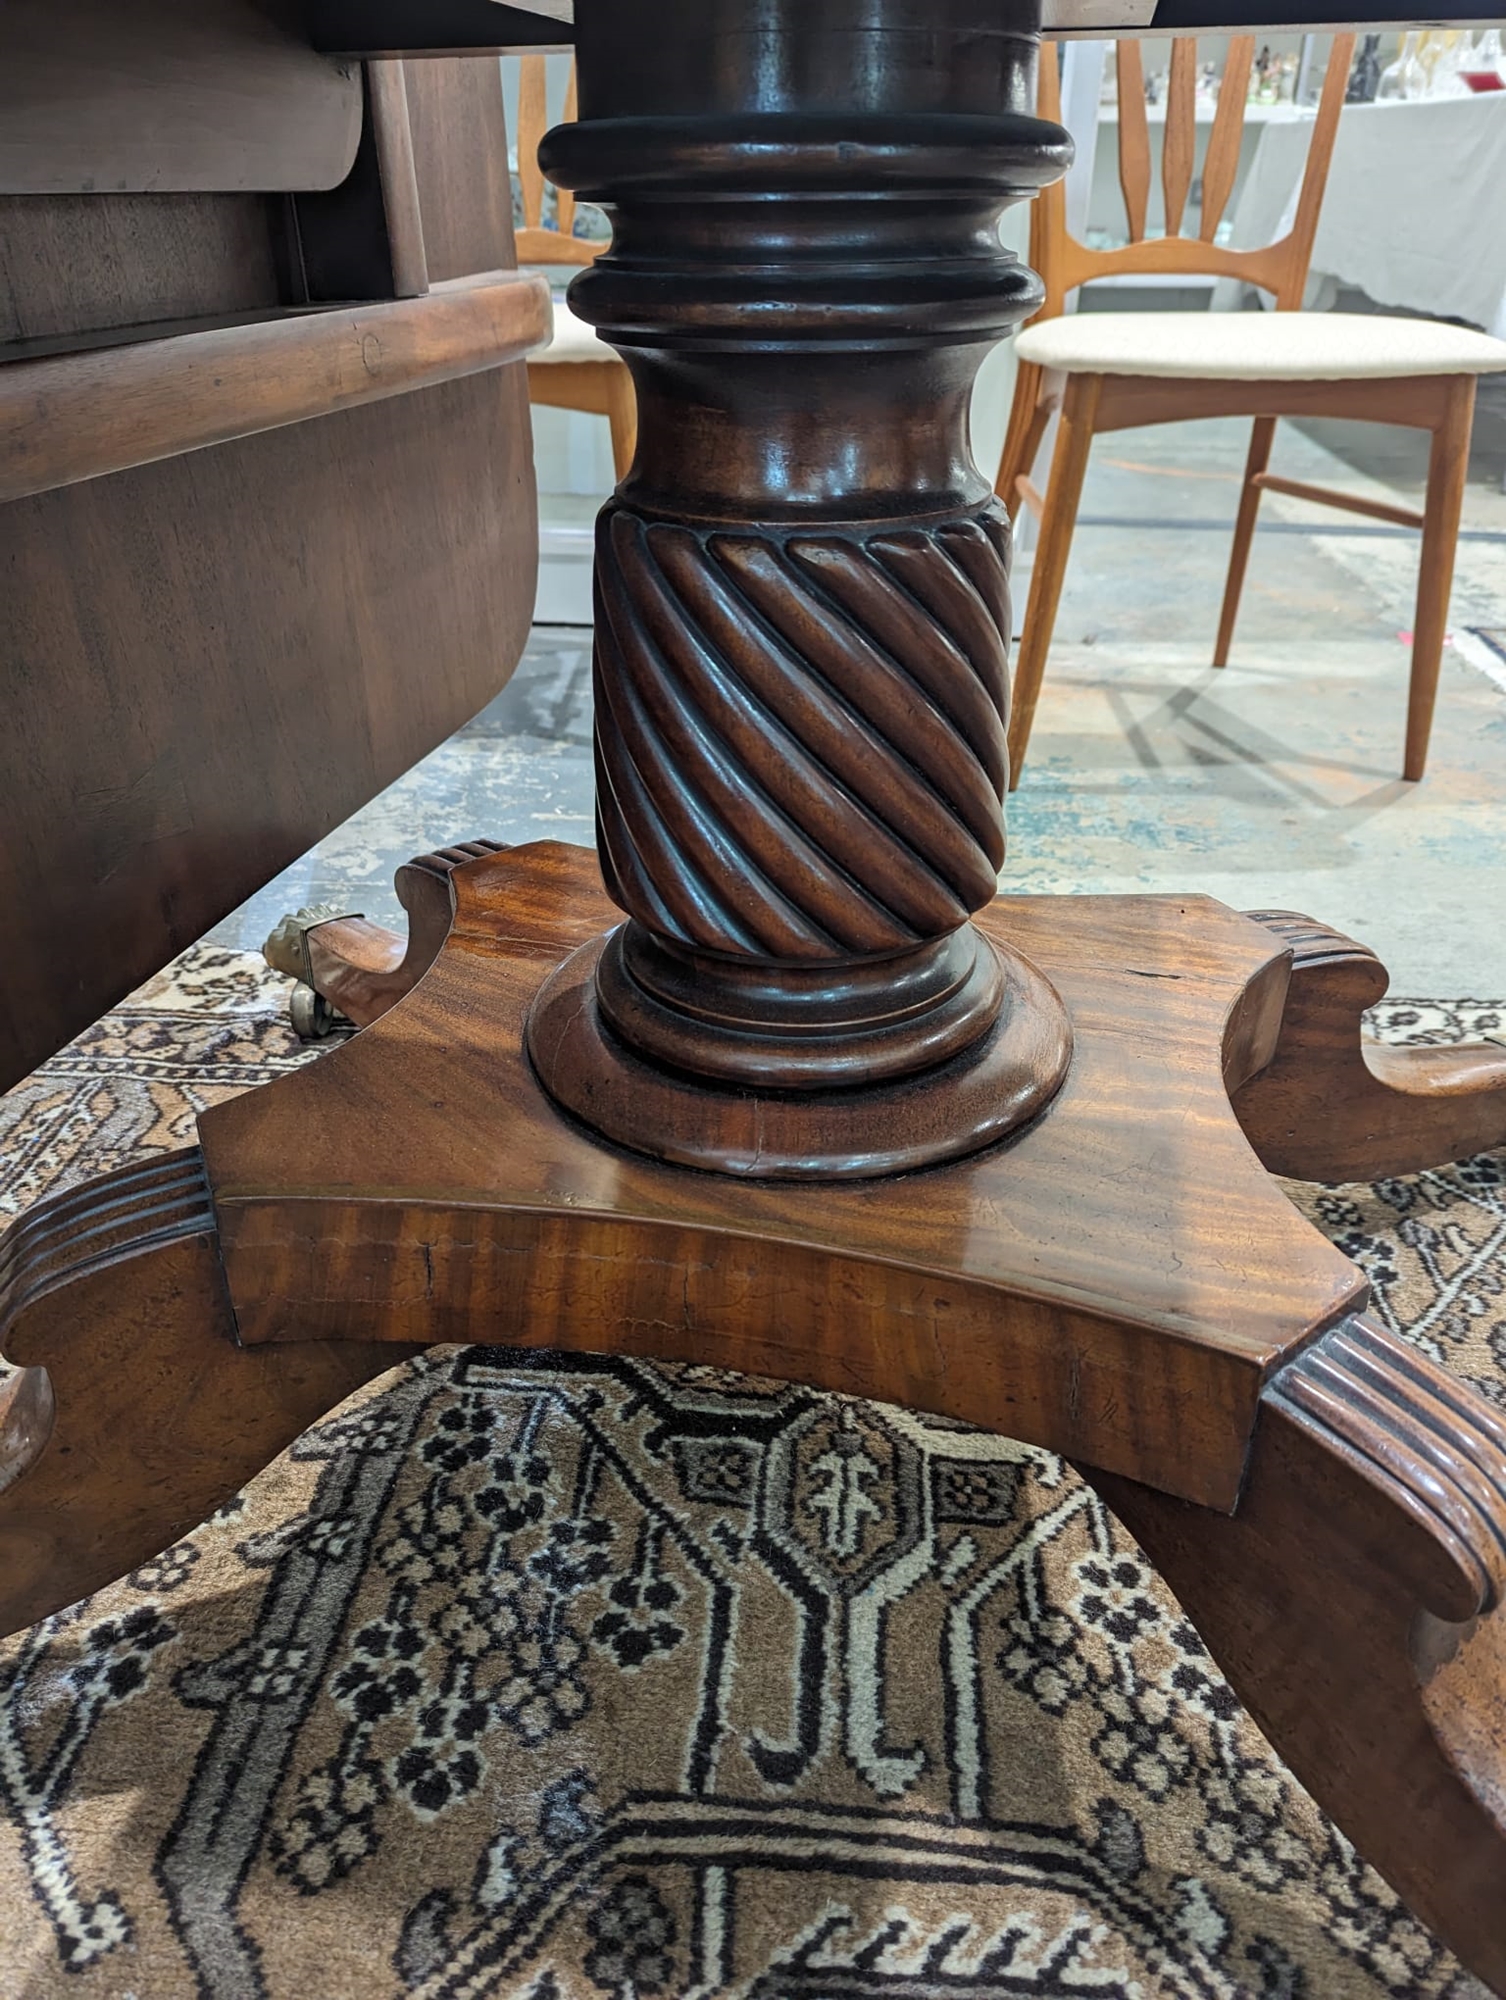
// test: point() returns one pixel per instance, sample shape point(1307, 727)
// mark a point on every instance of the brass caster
point(312, 1015)
point(286, 951)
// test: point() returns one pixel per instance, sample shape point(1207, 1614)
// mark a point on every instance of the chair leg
point(1029, 414)
point(599, 389)
point(1069, 462)
point(1448, 467)
point(1259, 458)
point(622, 415)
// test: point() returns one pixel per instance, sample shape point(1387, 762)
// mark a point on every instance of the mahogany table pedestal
point(824, 1107)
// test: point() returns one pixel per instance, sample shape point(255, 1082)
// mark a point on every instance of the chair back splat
point(1279, 268)
point(536, 243)
point(577, 371)
point(1114, 371)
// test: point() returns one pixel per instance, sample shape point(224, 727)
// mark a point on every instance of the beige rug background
point(529, 1675)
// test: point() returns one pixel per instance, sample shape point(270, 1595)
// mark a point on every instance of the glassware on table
point(1364, 78)
point(1405, 79)
point(1446, 47)
point(1483, 67)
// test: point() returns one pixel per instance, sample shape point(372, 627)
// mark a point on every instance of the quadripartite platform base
point(1119, 1280)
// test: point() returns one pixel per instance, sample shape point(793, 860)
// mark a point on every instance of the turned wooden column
point(802, 614)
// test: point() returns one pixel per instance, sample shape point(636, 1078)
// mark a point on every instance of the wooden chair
point(577, 371)
point(1114, 371)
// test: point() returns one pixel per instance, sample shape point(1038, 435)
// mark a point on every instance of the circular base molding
point(957, 1107)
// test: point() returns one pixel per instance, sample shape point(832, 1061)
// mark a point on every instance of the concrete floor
point(1271, 784)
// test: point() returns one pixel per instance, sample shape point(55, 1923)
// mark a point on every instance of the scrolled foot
point(1334, 1106)
point(287, 950)
point(134, 1412)
point(1354, 1599)
point(350, 969)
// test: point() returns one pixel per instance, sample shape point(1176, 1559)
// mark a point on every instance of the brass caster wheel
point(286, 951)
point(311, 1014)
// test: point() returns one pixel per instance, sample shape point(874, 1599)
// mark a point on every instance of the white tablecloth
point(1415, 213)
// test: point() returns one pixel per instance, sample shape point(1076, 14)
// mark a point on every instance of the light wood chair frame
point(599, 388)
point(1090, 404)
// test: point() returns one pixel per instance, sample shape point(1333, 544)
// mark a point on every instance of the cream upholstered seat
point(1101, 372)
point(578, 371)
point(573, 341)
point(1258, 346)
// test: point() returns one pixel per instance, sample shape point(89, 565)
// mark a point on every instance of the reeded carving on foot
point(1424, 1442)
point(443, 862)
point(118, 1216)
point(1332, 1105)
point(1313, 942)
point(134, 1413)
point(1354, 1599)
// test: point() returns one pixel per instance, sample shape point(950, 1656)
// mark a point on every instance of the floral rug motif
point(549, 1678)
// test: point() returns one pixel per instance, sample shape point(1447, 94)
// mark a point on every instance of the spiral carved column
point(802, 613)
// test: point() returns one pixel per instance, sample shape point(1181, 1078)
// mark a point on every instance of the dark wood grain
point(75, 264)
point(459, 138)
point(212, 659)
point(392, 133)
point(363, 239)
point(1123, 1272)
point(1332, 1105)
point(395, 27)
point(437, 28)
point(803, 556)
point(105, 410)
point(803, 618)
point(1120, 1281)
point(1355, 1602)
point(303, 653)
point(885, 1121)
point(746, 807)
point(158, 96)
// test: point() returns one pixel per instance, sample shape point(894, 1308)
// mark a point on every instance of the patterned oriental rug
point(549, 1678)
